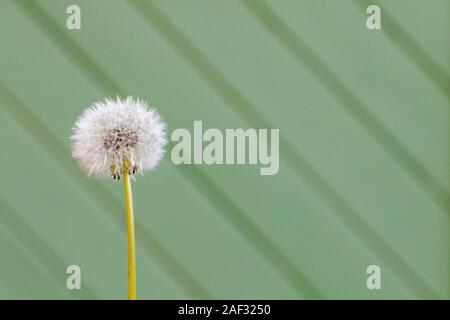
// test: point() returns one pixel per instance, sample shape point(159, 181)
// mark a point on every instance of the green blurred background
point(364, 172)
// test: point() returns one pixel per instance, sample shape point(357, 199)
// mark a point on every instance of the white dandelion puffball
point(112, 136)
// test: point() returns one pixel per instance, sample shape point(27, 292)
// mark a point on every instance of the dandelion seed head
point(116, 135)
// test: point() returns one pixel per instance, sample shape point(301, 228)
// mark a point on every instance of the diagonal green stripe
point(400, 39)
point(264, 247)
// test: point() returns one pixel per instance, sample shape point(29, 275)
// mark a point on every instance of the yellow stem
point(131, 237)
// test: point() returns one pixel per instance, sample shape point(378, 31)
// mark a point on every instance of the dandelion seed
point(116, 134)
point(119, 138)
